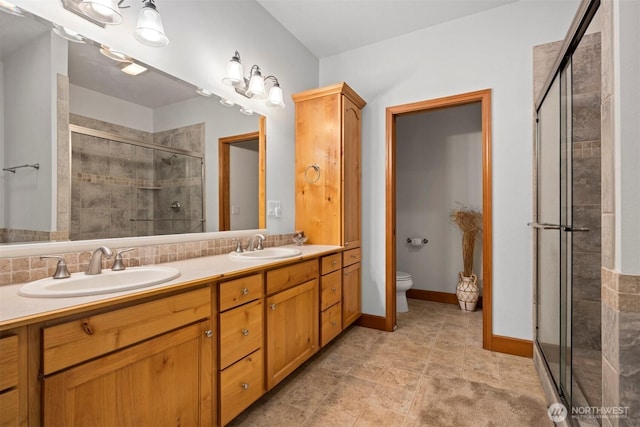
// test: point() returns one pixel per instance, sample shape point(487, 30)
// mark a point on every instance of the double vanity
point(195, 350)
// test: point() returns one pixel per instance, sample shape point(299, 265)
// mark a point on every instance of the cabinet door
point(351, 305)
point(318, 191)
point(166, 381)
point(292, 329)
point(352, 199)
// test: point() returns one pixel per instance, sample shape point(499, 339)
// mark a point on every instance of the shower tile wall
point(586, 299)
point(114, 182)
point(181, 180)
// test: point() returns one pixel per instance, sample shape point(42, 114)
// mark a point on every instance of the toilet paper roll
point(417, 241)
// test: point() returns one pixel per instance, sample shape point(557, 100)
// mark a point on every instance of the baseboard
point(435, 296)
point(373, 322)
point(515, 346)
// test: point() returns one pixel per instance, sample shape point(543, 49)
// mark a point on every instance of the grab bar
point(12, 169)
point(565, 228)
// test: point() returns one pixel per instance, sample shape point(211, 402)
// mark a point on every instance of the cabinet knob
point(346, 243)
point(245, 332)
point(245, 386)
point(272, 306)
point(334, 290)
point(208, 333)
point(244, 291)
point(334, 262)
point(333, 323)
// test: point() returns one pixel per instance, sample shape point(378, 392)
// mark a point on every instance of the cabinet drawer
point(239, 291)
point(9, 408)
point(351, 256)
point(82, 339)
point(286, 277)
point(331, 286)
point(330, 263)
point(240, 332)
point(241, 384)
point(8, 362)
point(331, 324)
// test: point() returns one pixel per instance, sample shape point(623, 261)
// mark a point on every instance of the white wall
point(438, 169)
point(203, 37)
point(99, 106)
point(487, 50)
point(626, 45)
point(30, 93)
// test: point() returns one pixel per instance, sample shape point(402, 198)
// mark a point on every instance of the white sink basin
point(268, 253)
point(79, 284)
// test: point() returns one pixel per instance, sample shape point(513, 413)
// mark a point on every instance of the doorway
point(484, 98)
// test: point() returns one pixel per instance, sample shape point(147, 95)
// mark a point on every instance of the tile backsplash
point(30, 268)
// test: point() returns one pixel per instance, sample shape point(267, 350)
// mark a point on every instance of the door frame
point(224, 189)
point(484, 97)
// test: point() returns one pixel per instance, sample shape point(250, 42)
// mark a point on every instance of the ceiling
point(329, 27)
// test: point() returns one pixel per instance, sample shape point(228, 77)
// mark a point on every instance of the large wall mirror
point(91, 150)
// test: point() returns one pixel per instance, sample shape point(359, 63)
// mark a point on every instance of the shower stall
point(567, 219)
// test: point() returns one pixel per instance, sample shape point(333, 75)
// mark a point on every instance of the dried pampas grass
point(470, 223)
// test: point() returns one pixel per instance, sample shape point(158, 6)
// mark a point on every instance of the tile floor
point(367, 377)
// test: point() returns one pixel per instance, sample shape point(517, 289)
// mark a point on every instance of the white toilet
point(403, 284)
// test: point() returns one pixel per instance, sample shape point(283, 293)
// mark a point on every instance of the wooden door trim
point(224, 218)
point(484, 97)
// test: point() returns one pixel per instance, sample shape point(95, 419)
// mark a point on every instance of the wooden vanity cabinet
point(12, 382)
point(330, 297)
point(146, 364)
point(328, 165)
point(240, 342)
point(292, 317)
point(328, 179)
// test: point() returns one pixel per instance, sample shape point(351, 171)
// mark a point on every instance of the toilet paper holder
point(424, 241)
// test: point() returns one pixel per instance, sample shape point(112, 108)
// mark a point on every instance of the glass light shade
point(149, 30)
point(275, 99)
point(105, 11)
point(234, 75)
point(256, 84)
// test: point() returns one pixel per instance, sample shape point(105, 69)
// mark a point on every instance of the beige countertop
point(16, 310)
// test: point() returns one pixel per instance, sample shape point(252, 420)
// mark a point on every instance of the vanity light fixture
point(103, 11)
point(149, 29)
point(67, 34)
point(255, 85)
point(114, 54)
point(10, 8)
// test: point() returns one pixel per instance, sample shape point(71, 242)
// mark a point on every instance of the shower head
point(168, 160)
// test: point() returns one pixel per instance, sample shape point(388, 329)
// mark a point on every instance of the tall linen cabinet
point(328, 180)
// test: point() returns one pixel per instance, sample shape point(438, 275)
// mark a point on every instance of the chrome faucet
point(252, 243)
point(95, 263)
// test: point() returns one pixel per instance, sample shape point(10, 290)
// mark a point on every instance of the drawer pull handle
point(245, 386)
point(272, 306)
point(334, 262)
point(208, 333)
point(87, 328)
point(245, 332)
point(244, 291)
point(353, 257)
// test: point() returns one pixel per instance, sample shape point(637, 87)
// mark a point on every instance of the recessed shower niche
point(126, 182)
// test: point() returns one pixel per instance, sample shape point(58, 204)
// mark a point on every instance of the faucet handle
point(62, 272)
point(118, 264)
point(238, 248)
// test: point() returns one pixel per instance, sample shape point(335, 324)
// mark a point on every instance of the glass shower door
point(553, 251)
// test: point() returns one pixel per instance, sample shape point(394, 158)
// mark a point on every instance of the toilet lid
point(401, 275)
